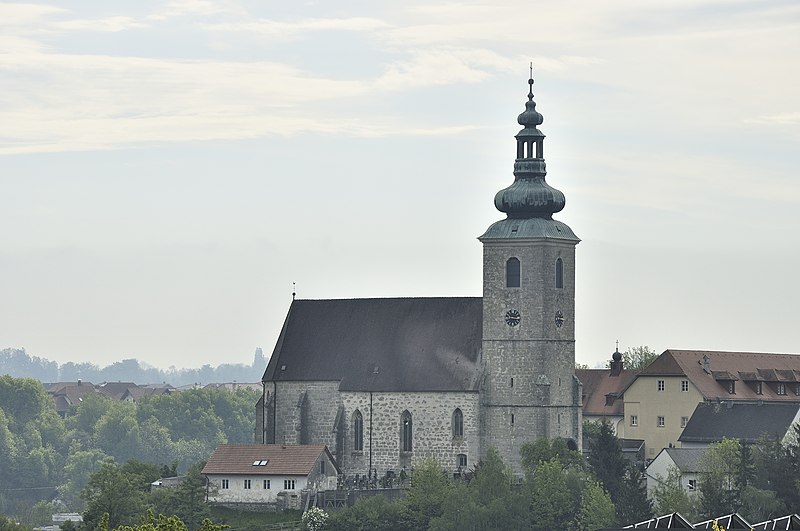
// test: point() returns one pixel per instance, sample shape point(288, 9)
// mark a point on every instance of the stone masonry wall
point(529, 388)
point(431, 414)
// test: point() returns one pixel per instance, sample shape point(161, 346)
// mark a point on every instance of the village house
point(262, 474)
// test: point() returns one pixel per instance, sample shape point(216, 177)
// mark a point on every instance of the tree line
point(561, 489)
point(44, 458)
point(18, 363)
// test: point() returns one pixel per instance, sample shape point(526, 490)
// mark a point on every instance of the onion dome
point(616, 356)
point(530, 196)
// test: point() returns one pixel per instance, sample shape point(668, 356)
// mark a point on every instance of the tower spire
point(530, 196)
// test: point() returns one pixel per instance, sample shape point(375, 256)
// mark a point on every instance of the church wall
point(311, 408)
point(432, 414)
point(305, 413)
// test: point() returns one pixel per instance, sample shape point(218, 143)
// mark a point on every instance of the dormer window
point(759, 388)
point(732, 387)
point(781, 389)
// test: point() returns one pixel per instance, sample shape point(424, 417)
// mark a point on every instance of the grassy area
point(250, 521)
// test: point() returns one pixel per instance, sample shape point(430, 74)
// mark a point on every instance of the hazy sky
point(169, 168)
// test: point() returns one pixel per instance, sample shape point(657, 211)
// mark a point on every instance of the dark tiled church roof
point(405, 344)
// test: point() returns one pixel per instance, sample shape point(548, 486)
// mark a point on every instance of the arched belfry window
point(512, 272)
point(559, 273)
point(358, 431)
point(406, 432)
point(458, 423)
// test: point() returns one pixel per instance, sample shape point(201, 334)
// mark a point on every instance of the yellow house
point(658, 403)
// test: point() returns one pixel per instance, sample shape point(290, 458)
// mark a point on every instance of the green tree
point(606, 460)
point(550, 500)
point(543, 450)
point(596, 509)
point(6, 524)
point(374, 513)
point(429, 489)
point(720, 490)
point(112, 492)
point(78, 468)
point(637, 358)
point(633, 504)
point(669, 496)
point(187, 500)
point(486, 502)
point(117, 431)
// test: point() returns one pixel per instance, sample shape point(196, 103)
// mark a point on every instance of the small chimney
point(79, 381)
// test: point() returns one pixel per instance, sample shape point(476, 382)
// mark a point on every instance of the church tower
point(529, 389)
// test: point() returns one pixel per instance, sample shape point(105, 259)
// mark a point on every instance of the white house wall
point(236, 493)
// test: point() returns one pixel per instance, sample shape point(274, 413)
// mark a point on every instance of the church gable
point(402, 344)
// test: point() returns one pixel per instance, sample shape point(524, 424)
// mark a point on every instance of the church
point(387, 383)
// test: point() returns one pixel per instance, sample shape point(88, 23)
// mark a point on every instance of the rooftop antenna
point(294, 290)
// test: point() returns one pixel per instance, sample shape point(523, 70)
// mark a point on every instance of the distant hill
point(19, 364)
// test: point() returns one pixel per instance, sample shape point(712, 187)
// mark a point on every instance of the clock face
point(559, 318)
point(513, 317)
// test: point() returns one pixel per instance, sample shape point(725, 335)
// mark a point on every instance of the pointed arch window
point(407, 432)
point(559, 273)
point(458, 423)
point(358, 431)
point(512, 272)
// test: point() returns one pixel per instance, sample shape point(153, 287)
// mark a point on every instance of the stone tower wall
point(538, 355)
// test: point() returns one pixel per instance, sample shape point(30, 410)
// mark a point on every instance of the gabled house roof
point(667, 521)
point(115, 389)
point(729, 521)
point(790, 521)
point(686, 459)
point(281, 459)
point(602, 390)
point(68, 394)
point(711, 371)
point(404, 344)
point(747, 421)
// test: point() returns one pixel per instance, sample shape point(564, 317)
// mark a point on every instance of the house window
point(732, 387)
point(247, 484)
point(322, 467)
point(358, 431)
point(684, 421)
point(288, 484)
point(781, 389)
point(512, 273)
point(661, 385)
point(407, 435)
point(225, 484)
point(559, 273)
point(684, 386)
point(512, 419)
point(634, 420)
point(266, 484)
point(660, 422)
point(458, 423)
point(462, 461)
point(512, 382)
point(692, 484)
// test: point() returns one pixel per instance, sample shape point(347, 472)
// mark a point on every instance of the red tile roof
point(597, 383)
point(709, 372)
point(282, 459)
